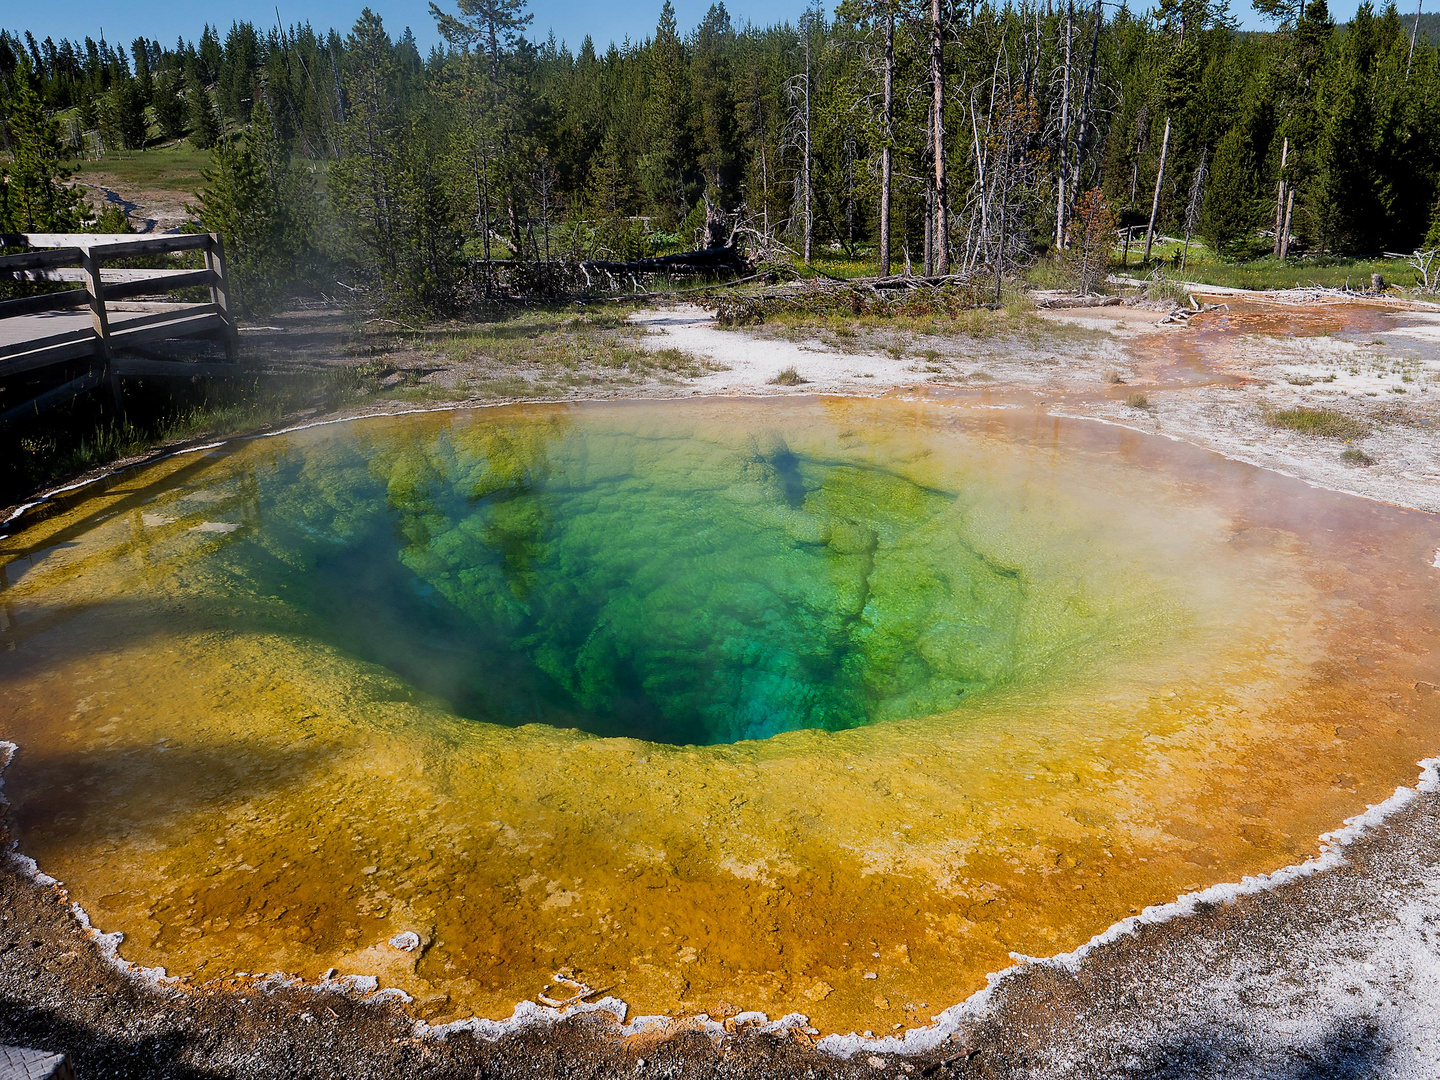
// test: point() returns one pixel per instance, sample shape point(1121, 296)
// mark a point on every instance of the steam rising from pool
point(809, 706)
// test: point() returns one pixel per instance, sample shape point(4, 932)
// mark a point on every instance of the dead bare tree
point(1083, 122)
point(543, 179)
point(799, 92)
point(937, 131)
point(1159, 181)
point(1414, 33)
point(1426, 264)
point(1280, 194)
point(887, 135)
point(1062, 179)
point(1193, 207)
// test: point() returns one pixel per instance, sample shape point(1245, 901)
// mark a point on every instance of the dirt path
point(147, 210)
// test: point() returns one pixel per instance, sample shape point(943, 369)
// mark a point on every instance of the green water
point(686, 587)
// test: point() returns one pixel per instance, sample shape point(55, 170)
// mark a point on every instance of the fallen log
point(855, 297)
point(725, 257)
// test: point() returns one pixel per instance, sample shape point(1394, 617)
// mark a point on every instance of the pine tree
point(122, 116)
point(34, 193)
point(667, 154)
point(492, 26)
point(169, 104)
point(715, 108)
point(199, 112)
point(1230, 213)
point(488, 32)
point(265, 206)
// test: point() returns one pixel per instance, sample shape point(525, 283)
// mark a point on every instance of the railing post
point(220, 291)
point(99, 319)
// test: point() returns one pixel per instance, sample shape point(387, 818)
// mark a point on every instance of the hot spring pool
point(815, 705)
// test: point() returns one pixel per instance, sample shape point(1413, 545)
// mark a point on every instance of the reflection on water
point(904, 688)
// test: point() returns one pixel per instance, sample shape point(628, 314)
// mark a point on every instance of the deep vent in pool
point(621, 585)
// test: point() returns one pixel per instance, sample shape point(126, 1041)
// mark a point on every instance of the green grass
point(174, 168)
point(554, 351)
point(1205, 267)
point(788, 377)
point(837, 264)
point(900, 333)
point(1354, 456)
point(1323, 422)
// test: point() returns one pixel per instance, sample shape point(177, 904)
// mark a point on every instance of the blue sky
point(571, 20)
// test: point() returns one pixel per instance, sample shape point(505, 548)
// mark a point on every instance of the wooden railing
point(46, 327)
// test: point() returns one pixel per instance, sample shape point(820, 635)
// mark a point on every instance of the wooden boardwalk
point(95, 332)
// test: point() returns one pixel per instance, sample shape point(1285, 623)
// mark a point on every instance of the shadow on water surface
point(59, 795)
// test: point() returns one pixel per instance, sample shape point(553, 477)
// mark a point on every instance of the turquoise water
point(691, 587)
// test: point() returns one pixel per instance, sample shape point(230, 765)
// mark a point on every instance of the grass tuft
point(1138, 401)
point(788, 377)
point(1356, 456)
point(1323, 422)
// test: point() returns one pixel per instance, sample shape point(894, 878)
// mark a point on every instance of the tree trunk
point(1062, 186)
point(980, 178)
point(1159, 179)
point(929, 232)
point(1280, 195)
point(1082, 123)
point(888, 134)
point(809, 214)
point(1289, 209)
point(1414, 33)
point(937, 79)
point(481, 164)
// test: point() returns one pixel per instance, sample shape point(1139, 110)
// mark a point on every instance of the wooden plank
point(50, 398)
point(39, 260)
point(109, 274)
point(61, 240)
point(55, 301)
point(186, 326)
point(56, 350)
point(111, 245)
point(154, 245)
point(220, 293)
point(122, 323)
point(75, 328)
point(152, 284)
point(99, 318)
point(143, 367)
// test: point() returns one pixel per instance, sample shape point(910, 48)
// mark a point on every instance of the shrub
point(1089, 240)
